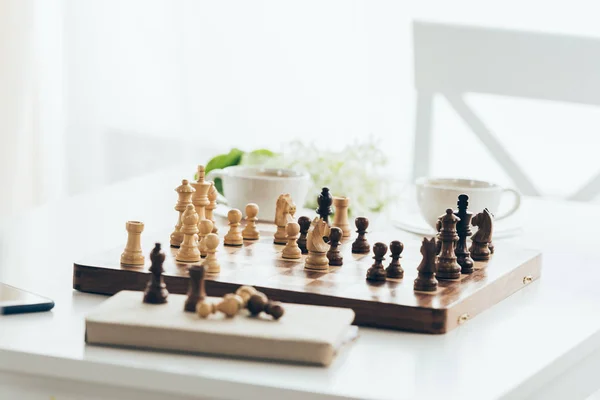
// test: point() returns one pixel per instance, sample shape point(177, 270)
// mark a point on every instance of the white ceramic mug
point(435, 195)
point(243, 185)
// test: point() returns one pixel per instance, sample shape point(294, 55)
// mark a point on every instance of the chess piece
point(284, 213)
point(426, 281)
point(361, 245)
point(250, 232)
point(394, 270)
point(447, 267)
point(204, 308)
point(210, 262)
point(324, 201)
point(188, 251)
point(484, 221)
point(377, 272)
point(200, 196)
point(196, 290)
point(230, 305)
point(210, 208)
point(206, 227)
point(340, 218)
point(184, 193)
point(132, 255)
point(463, 230)
point(333, 254)
point(291, 249)
point(156, 290)
point(258, 303)
point(245, 292)
point(317, 248)
point(438, 241)
point(234, 236)
point(304, 223)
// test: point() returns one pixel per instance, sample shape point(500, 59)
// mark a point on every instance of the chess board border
point(108, 281)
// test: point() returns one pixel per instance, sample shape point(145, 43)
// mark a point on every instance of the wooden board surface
point(392, 304)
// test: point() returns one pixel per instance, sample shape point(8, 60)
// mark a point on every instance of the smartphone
point(16, 301)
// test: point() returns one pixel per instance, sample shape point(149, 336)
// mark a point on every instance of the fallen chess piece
point(258, 303)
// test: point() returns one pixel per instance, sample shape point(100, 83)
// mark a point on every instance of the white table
point(542, 342)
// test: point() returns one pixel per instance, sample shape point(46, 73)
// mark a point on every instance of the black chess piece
point(377, 272)
point(333, 254)
point(304, 223)
point(394, 270)
point(325, 200)
point(361, 245)
point(463, 229)
point(426, 281)
point(156, 290)
point(446, 265)
point(196, 291)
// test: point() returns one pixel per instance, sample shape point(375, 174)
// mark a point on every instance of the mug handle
point(515, 206)
point(217, 173)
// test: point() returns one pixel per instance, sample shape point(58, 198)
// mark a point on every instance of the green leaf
point(257, 157)
point(222, 161)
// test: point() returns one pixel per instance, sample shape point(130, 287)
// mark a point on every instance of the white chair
point(454, 60)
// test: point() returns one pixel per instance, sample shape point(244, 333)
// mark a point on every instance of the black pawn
point(196, 291)
point(361, 245)
point(333, 255)
point(304, 223)
point(394, 270)
point(156, 290)
point(325, 200)
point(377, 272)
point(463, 230)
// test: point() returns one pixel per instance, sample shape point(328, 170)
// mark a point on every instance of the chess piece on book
point(463, 230)
point(304, 223)
point(324, 201)
point(205, 308)
point(291, 249)
point(245, 292)
point(258, 303)
point(212, 205)
point(132, 255)
point(205, 227)
point(250, 232)
point(196, 290)
point(284, 214)
point(156, 290)
point(340, 218)
point(484, 222)
point(394, 270)
point(184, 193)
point(188, 251)
point(317, 248)
point(231, 305)
point(234, 236)
point(426, 281)
point(361, 245)
point(447, 267)
point(377, 272)
point(333, 254)
point(200, 196)
point(210, 262)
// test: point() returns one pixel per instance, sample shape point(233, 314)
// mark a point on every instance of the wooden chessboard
point(392, 304)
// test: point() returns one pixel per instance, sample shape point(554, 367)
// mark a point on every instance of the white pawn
point(188, 251)
point(211, 263)
point(234, 236)
point(291, 250)
point(206, 227)
point(250, 232)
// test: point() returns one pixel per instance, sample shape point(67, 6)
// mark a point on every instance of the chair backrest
point(512, 63)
